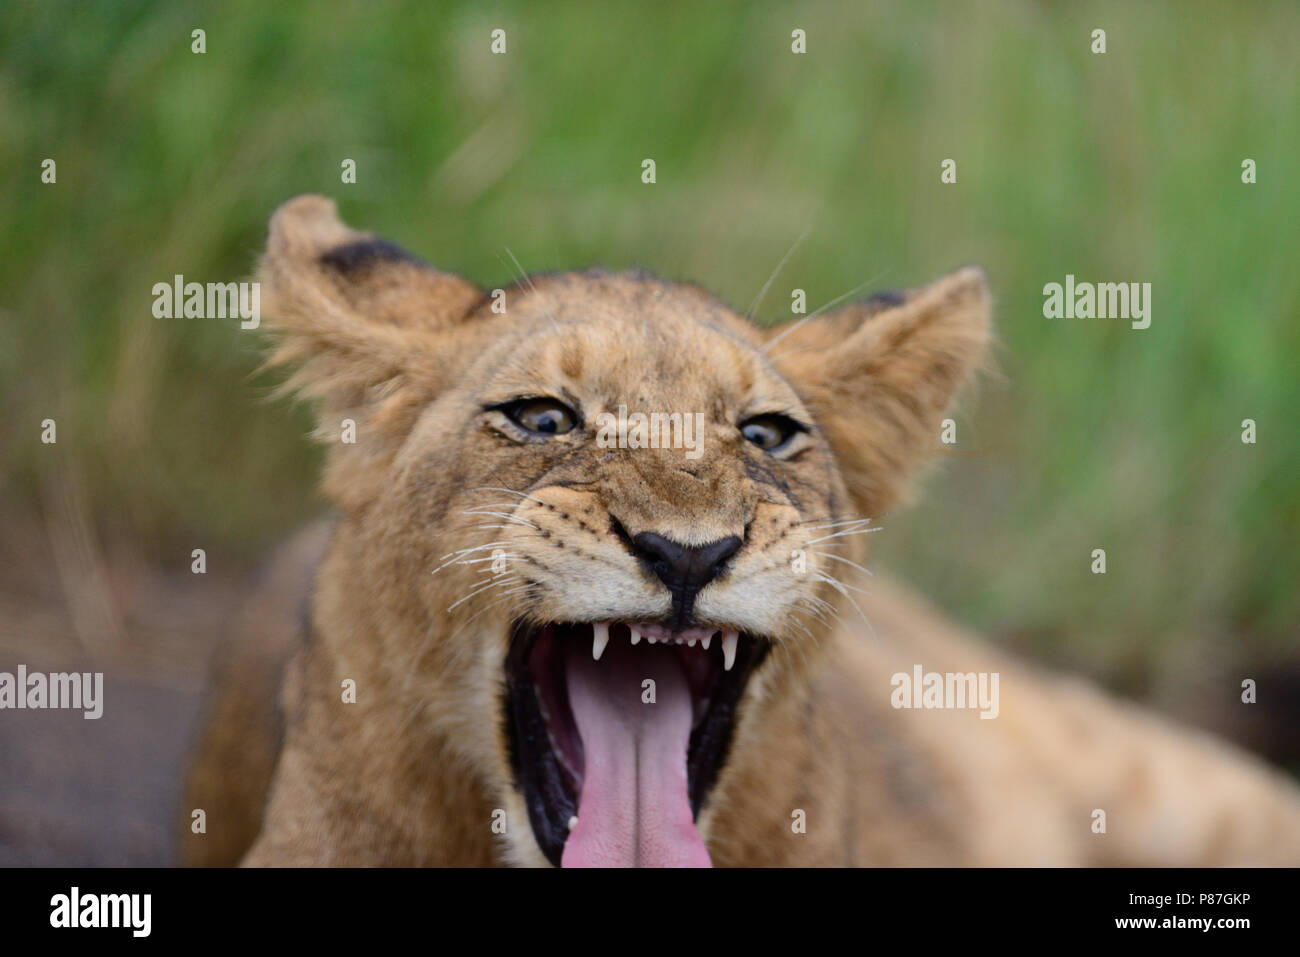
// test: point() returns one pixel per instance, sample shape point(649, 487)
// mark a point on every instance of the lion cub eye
point(771, 433)
point(542, 416)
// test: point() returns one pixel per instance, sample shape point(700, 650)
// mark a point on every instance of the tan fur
point(406, 603)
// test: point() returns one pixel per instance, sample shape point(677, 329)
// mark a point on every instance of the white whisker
point(841, 558)
point(528, 279)
point(758, 300)
point(817, 312)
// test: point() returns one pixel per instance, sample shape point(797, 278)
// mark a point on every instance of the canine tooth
point(706, 642)
point(729, 649)
point(573, 822)
point(636, 635)
point(599, 639)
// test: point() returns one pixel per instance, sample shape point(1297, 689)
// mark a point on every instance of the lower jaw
point(656, 724)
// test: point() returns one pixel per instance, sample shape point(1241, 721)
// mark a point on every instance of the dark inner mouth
point(547, 750)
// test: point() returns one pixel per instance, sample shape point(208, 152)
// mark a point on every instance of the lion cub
point(594, 597)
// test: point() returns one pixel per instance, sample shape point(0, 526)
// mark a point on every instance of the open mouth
point(617, 733)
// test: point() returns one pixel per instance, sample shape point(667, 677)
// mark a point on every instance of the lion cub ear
point(366, 324)
point(311, 253)
point(357, 308)
point(878, 376)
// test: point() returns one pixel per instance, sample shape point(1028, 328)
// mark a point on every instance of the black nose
point(684, 569)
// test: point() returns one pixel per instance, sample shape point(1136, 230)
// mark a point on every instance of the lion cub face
point(592, 525)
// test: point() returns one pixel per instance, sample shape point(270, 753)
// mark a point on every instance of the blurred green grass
point(1119, 167)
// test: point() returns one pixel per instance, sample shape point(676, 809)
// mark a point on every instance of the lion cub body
point(875, 787)
point(387, 741)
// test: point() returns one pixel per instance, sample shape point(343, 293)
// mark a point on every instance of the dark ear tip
point(360, 255)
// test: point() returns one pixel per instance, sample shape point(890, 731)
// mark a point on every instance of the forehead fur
point(628, 297)
point(628, 337)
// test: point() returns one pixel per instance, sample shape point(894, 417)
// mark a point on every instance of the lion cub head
point(592, 523)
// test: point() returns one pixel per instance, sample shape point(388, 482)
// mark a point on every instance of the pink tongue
point(634, 810)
